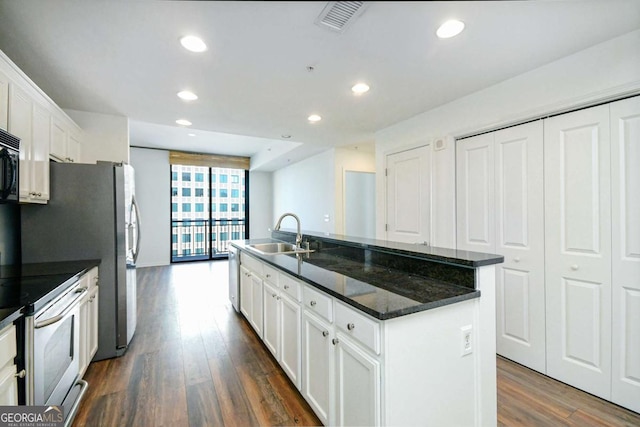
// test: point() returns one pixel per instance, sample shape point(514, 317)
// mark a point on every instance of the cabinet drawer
point(318, 303)
point(358, 326)
point(270, 274)
point(250, 263)
point(291, 286)
point(7, 345)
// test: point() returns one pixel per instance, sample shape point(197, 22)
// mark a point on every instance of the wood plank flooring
point(195, 362)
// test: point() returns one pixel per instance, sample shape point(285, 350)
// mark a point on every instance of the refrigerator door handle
point(136, 249)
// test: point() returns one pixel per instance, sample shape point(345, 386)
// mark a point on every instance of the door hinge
point(386, 172)
point(386, 227)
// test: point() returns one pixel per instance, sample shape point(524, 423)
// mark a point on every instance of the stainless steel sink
point(278, 248)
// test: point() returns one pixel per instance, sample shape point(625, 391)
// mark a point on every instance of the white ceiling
point(124, 58)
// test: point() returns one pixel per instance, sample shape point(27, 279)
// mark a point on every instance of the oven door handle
point(61, 316)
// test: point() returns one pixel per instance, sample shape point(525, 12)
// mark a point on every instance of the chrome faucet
point(299, 234)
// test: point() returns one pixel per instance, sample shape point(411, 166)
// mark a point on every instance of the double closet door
point(560, 199)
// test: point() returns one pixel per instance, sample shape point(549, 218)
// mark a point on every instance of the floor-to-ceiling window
point(208, 209)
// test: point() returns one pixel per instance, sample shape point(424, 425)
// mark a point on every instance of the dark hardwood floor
point(194, 362)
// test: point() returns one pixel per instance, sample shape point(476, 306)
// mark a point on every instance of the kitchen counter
point(29, 287)
point(383, 279)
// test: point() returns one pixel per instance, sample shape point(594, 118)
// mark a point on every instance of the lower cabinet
point(8, 379)
point(317, 356)
point(251, 298)
point(271, 325)
point(357, 385)
point(88, 319)
point(290, 338)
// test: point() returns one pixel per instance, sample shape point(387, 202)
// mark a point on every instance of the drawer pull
point(351, 326)
point(286, 286)
point(335, 341)
point(574, 267)
point(268, 275)
point(21, 374)
point(517, 259)
point(312, 303)
point(273, 295)
point(325, 333)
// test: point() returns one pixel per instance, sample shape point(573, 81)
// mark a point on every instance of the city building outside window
point(207, 211)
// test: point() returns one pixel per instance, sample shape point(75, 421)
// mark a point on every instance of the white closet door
point(475, 194)
point(519, 212)
point(409, 195)
point(625, 195)
point(578, 249)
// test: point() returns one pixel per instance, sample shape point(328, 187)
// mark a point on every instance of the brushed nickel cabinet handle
point(325, 333)
point(312, 303)
point(351, 326)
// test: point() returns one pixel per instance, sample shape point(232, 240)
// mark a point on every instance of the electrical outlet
point(466, 336)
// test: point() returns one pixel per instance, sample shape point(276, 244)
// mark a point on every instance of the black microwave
point(9, 167)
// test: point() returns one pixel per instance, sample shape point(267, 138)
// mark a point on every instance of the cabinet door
point(357, 385)
point(519, 215)
point(58, 146)
point(39, 191)
point(245, 293)
point(625, 197)
point(4, 101)
point(475, 194)
point(84, 335)
point(8, 386)
point(73, 148)
point(256, 304)
point(21, 125)
point(317, 366)
point(271, 326)
point(94, 303)
point(578, 249)
point(409, 195)
point(290, 338)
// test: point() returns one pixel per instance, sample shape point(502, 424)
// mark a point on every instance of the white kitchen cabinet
point(94, 303)
point(65, 141)
point(31, 123)
point(8, 379)
point(4, 101)
point(256, 319)
point(88, 319)
point(318, 371)
point(291, 338)
point(625, 250)
point(357, 384)
point(501, 210)
point(577, 181)
point(271, 325)
point(245, 292)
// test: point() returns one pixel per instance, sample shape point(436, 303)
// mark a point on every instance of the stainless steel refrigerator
point(92, 214)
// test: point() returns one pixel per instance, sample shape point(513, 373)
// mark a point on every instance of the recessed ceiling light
point(183, 122)
point(191, 134)
point(360, 88)
point(193, 43)
point(187, 95)
point(450, 28)
point(286, 136)
point(314, 118)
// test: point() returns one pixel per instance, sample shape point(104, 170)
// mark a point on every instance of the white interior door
point(475, 193)
point(519, 214)
point(578, 249)
point(409, 195)
point(625, 195)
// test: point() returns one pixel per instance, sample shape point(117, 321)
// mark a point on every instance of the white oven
point(52, 351)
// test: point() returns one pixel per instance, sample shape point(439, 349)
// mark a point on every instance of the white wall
point(260, 204)
point(599, 73)
point(307, 188)
point(152, 193)
point(105, 137)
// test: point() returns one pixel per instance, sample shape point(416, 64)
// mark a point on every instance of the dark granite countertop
point(28, 287)
point(432, 253)
point(383, 293)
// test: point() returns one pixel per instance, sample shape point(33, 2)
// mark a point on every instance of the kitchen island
point(377, 333)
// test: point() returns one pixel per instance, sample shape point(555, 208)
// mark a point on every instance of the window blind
point(208, 160)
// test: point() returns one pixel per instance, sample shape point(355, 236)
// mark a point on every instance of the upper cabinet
point(45, 131)
point(4, 100)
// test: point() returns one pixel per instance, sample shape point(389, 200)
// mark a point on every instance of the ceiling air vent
point(338, 15)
